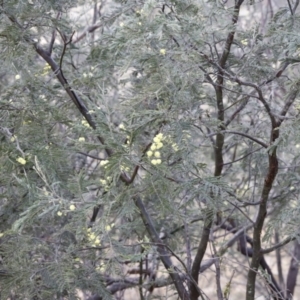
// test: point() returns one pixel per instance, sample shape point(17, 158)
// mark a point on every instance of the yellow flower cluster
point(175, 147)
point(88, 75)
point(81, 139)
point(124, 168)
point(162, 51)
point(93, 239)
point(103, 181)
point(103, 163)
point(21, 161)
point(109, 227)
point(27, 122)
point(85, 123)
point(45, 192)
point(72, 207)
point(101, 268)
point(106, 183)
point(46, 70)
point(60, 213)
point(153, 152)
point(244, 42)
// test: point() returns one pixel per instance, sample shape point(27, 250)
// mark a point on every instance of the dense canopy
point(149, 149)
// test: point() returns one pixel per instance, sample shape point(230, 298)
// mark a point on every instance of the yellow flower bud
point(175, 147)
point(21, 160)
point(159, 145)
point(162, 51)
point(153, 161)
point(72, 207)
point(149, 153)
point(97, 242)
point(103, 162)
point(103, 181)
point(157, 154)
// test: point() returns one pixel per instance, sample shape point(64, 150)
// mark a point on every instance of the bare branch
point(52, 41)
point(242, 134)
point(194, 293)
point(238, 110)
point(232, 162)
point(291, 98)
point(290, 7)
point(64, 38)
point(293, 271)
point(248, 136)
point(161, 248)
point(295, 6)
point(277, 75)
point(53, 36)
point(279, 261)
point(90, 29)
point(279, 245)
point(261, 216)
point(218, 272)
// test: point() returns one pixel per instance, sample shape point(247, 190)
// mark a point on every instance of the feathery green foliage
point(139, 136)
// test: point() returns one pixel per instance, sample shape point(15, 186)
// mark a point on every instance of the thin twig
point(295, 6)
point(90, 29)
point(53, 36)
point(218, 272)
point(279, 261)
point(290, 7)
point(279, 245)
point(242, 134)
point(63, 37)
point(241, 158)
point(237, 111)
point(161, 248)
point(188, 246)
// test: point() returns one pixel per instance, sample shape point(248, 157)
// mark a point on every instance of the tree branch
point(243, 238)
point(243, 134)
point(161, 248)
point(241, 158)
point(90, 29)
point(262, 213)
point(293, 271)
point(277, 246)
point(53, 36)
point(209, 215)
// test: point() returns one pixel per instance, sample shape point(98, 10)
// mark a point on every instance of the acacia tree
point(145, 143)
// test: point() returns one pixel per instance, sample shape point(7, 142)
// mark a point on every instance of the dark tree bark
point(293, 271)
